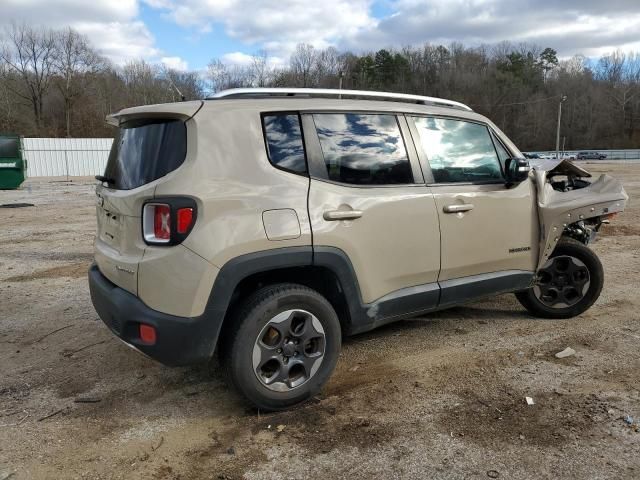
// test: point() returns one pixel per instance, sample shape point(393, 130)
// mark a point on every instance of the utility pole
point(340, 82)
point(563, 98)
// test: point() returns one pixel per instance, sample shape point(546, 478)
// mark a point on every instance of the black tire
point(575, 249)
point(250, 321)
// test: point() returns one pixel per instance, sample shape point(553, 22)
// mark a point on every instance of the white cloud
point(63, 12)
point(590, 27)
point(277, 25)
point(111, 26)
point(158, 3)
point(120, 42)
point(237, 58)
point(243, 60)
point(175, 63)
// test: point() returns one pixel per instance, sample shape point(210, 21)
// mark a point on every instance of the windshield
point(144, 151)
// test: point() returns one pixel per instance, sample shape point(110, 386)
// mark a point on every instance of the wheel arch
point(327, 271)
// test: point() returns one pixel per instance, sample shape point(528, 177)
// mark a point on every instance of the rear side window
point(284, 142)
point(458, 151)
point(9, 147)
point(144, 151)
point(363, 149)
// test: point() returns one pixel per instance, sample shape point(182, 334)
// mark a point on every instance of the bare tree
point(621, 73)
point(6, 105)
point(574, 66)
point(222, 76)
point(260, 68)
point(30, 54)
point(328, 67)
point(302, 62)
point(217, 74)
point(144, 84)
point(76, 65)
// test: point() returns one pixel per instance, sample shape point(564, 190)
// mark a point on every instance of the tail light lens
point(168, 221)
point(156, 223)
point(185, 219)
point(161, 222)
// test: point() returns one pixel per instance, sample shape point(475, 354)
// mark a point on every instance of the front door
point(488, 230)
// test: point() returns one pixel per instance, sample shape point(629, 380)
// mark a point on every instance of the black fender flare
point(363, 316)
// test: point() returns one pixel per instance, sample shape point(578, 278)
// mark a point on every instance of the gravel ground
point(435, 397)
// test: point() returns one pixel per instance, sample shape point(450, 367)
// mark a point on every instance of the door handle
point(332, 215)
point(464, 207)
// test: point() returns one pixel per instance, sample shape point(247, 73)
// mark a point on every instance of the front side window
point(458, 151)
point(363, 149)
point(284, 142)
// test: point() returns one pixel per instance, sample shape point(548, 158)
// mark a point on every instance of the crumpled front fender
point(557, 209)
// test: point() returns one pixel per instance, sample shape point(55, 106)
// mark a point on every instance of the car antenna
point(173, 85)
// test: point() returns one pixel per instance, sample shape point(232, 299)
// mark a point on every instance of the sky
point(187, 34)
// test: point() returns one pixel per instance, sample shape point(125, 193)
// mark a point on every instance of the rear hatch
point(150, 143)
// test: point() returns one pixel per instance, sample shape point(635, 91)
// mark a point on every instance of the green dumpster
point(12, 165)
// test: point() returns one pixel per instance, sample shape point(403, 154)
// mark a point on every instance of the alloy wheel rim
point(562, 282)
point(289, 350)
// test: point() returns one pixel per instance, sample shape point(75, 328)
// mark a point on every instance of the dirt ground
point(435, 397)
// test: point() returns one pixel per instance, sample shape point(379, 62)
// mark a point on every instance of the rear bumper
point(179, 340)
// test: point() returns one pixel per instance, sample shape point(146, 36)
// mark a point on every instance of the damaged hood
point(558, 166)
point(557, 209)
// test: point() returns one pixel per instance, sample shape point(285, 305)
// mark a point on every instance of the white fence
point(59, 157)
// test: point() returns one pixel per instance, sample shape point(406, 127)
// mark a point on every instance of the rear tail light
point(156, 223)
point(168, 221)
point(162, 222)
point(185, 219)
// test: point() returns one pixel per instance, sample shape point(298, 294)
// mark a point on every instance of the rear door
point(488, 230)
point(143, 151)
point(367, 197)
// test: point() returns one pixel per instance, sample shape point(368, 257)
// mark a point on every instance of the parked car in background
point(591, 156)
point(551, 156)
point(530, 155)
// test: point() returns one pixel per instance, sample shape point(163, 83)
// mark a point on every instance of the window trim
point(424, 158)
point(266, 143)
point(317, 165)
point(496, 140)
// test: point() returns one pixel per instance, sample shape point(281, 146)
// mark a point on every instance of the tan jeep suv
point(262, 225)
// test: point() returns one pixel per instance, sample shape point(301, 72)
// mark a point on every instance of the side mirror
point(516, 170)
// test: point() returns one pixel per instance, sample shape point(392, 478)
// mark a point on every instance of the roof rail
point(289, 92)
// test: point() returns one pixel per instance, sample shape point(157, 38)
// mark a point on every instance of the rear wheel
point(285, 346)
point(567, 284)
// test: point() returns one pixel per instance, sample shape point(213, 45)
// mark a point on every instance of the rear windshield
point(9, 147)
point(144, 151)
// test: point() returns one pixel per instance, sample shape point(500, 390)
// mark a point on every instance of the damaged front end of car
point(571, 206)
